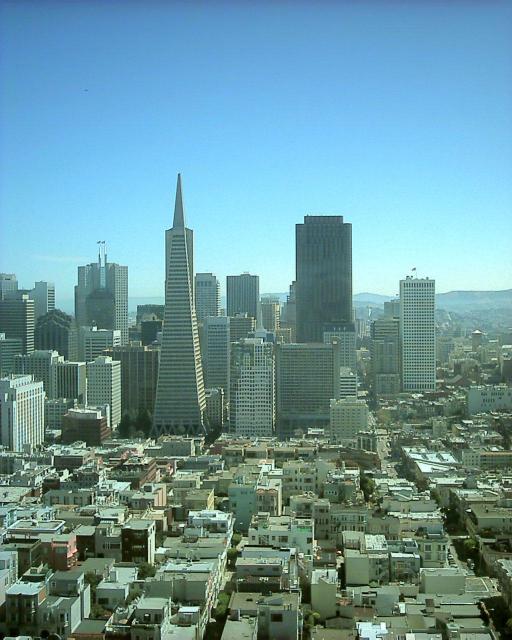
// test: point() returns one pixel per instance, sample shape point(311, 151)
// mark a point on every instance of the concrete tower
point(418, 334)
point(180, 399)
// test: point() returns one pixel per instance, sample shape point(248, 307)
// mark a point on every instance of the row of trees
point(138, 425)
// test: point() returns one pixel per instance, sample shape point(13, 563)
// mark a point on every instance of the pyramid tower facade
point(180, 399)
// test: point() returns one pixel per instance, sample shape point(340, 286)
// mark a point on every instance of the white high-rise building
point(207, 296)
point(418, 334)
point(43, 295)
point(104, 386)
point(252, 398)
point(21, 412)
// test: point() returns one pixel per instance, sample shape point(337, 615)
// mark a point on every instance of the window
point(276, 617)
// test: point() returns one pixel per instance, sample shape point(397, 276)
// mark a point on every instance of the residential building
point(486, 398)
point(348, 416)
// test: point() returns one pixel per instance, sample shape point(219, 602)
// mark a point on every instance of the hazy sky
point(396, 115)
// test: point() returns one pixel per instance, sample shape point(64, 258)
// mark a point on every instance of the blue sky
point(397, 115)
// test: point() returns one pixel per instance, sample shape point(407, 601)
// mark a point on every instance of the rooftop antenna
point(102, 262)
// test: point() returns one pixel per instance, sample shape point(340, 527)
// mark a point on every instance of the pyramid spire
point(179, 215)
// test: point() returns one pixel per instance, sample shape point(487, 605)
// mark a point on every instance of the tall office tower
point(392, 309)
point(104, 386)
point(252, 397)
point(243, 294)
point(43, 295)
point(93, 342)
point(180, 400)
point(385, 356)
point(21, 412)
point(17, 320)
point(56, 330)
point(41, 366)
point(101, 295)
point(9, 347)
point(418, 334)
point(345, 335)
point(207, 296)
point(139, 375)
point(270, 313)
point(216, 350)
point(71, 381)
point(240, 326)
point(323, 274)
point(8, 284)
point(307, 378)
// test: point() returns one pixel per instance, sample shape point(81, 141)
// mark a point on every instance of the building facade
point(252, 396)
point(104, 386)
point(243, 294)
point(418, 334)
point(323, 275)
point(180, 400)
point(21, 412)
point(207, 296)
point(101, 295)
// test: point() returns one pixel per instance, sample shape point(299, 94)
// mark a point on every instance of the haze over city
point(397, 116)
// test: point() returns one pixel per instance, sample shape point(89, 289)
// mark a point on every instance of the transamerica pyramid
point(180, 400)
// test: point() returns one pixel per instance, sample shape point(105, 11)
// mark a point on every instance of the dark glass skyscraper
point(324, 275)
point(243, 294)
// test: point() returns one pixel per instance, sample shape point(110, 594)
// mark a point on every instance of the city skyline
point(343, 113)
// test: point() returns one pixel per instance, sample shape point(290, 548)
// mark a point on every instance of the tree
point(146, 570)
point(143, 421)
point(125, 427)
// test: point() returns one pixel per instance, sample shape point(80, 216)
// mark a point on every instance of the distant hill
point(370, 298)
point(475, 299)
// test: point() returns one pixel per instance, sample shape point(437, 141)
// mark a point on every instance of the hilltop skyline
point(396, 116)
